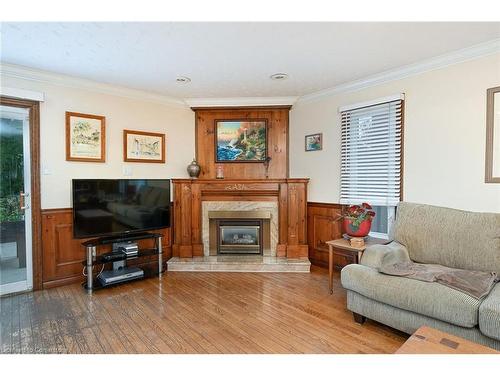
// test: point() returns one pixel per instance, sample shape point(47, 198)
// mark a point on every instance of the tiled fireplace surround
point(242, 210)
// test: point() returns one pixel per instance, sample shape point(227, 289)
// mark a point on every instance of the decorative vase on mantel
point(194, 169)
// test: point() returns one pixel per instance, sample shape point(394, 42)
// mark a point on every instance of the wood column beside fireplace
point(290, 193)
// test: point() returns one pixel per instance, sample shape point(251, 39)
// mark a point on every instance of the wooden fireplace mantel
point(290, 193)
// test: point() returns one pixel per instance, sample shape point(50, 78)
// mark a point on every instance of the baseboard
point(61, 282)
point(318, 263)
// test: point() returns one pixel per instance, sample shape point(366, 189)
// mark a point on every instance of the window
point(382, 223)
point(371, 158)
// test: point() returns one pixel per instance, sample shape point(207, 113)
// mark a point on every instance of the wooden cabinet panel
point(277, 142)
point(322, 231)
point(62, 254)
point(283, 219)
point(297, 212)
point(322, 226)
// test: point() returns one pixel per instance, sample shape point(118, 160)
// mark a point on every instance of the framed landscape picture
point(241, 141)
point(143, 147)
point(314, 142)
point(85, 137)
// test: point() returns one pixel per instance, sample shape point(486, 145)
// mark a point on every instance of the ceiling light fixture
point(183, 80)
point(279, 76)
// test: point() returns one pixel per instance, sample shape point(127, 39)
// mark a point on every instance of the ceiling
point(232, 59)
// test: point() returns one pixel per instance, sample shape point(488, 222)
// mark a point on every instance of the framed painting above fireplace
point(240, 141)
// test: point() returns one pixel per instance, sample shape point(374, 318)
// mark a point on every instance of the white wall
point(444, 137)
point(121, 113)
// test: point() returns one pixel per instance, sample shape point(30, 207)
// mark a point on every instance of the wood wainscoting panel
point(277, 142)
point(322, 226)
point(62, 255)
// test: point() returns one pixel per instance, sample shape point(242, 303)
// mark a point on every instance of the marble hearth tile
point(207, 206)
point(228, 263)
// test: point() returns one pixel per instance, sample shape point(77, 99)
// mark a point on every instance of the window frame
point(391, 210)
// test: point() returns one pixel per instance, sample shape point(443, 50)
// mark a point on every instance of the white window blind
point(371, 154)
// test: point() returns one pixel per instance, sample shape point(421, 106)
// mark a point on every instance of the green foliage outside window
point(11, 169)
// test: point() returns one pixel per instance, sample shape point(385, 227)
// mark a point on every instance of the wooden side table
point(344, 244)
point(428, 340)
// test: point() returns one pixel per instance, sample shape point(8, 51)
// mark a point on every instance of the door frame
point(36, 211)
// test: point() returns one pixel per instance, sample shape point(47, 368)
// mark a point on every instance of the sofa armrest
point(489, 314)
point(393, 252)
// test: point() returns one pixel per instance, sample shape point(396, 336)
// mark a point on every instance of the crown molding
point(22, 94)
point(241, 101)
point(462, 55)
point(369, 103)
point(30, 74)
point(466, 54)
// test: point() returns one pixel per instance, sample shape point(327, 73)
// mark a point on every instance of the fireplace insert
point(239, 236)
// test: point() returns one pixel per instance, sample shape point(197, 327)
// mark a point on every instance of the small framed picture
point(85, 137)
point(143, 147)
point(314, 142)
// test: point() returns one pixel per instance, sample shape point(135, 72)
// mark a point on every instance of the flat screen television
point(119, 207)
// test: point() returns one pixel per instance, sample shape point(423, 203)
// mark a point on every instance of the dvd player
point(114, 256)
point(120, 275)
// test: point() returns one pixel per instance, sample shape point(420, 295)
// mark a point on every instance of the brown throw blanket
point(477, 284)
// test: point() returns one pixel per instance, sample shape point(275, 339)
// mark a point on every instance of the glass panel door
point(15, 204)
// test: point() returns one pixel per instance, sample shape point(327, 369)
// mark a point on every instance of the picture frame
point(143, 147)
point(85, 137)
point(241, 141)
point(313, 142)
point(492, 162)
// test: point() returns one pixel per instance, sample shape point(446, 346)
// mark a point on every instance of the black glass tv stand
point(92, 259)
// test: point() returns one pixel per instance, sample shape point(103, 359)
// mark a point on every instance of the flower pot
point(357, 231)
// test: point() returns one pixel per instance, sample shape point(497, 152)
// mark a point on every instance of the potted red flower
point(358, 220)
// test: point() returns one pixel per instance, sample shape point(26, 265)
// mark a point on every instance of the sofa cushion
point(489, 314)
point(430, 299)
point(452, 238)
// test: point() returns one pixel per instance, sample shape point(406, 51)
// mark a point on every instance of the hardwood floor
point(194, 313)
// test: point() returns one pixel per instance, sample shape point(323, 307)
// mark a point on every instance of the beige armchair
point(433, 235)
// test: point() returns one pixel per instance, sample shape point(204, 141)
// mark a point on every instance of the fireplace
point(239, 236)
point(239, 232)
